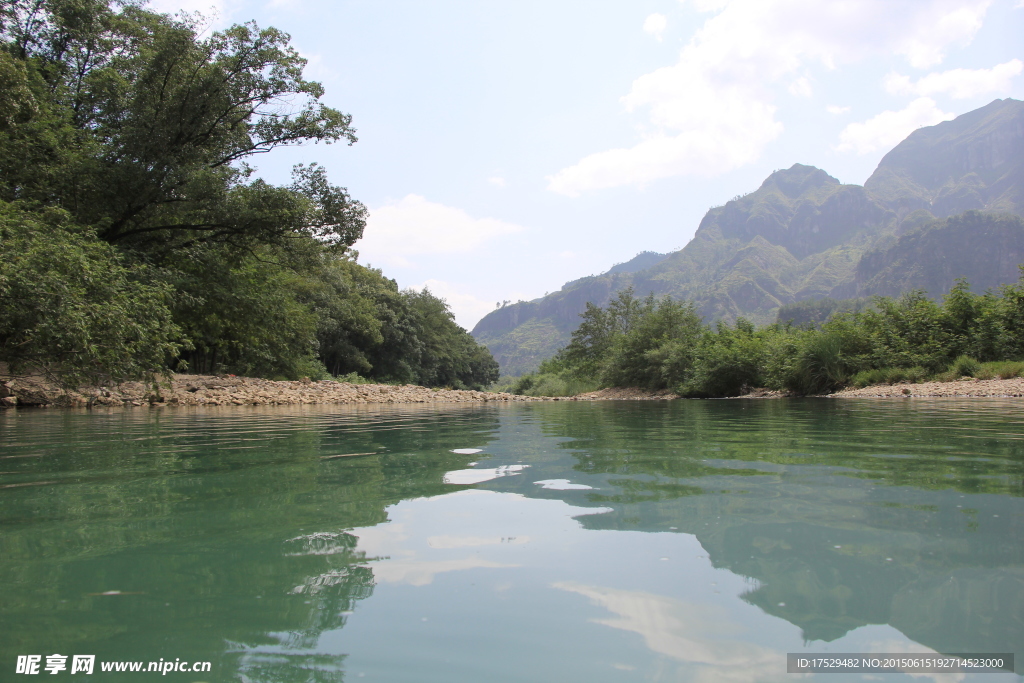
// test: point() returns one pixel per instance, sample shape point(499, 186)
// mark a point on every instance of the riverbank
point(967, 387)
point(626, 394)
point(963, 388)
point(219, 390)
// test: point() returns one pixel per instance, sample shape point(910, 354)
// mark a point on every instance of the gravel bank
point(963, 388)
point(626, 394)
point(208, 390)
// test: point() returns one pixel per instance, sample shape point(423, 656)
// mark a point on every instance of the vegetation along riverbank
point(136, 242)
point(135, 239)
point(663, 344)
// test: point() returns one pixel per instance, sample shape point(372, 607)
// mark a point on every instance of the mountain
point(943, 204)
point(984, 248)
point(975, 161)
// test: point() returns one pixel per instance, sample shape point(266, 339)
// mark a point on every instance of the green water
point(689, 540)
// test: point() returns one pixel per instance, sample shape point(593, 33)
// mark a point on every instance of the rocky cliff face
point(984, 248)
point(802, 209)
point(975, 161)
point(804, 235)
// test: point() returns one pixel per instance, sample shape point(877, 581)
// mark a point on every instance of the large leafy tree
point(139, 127)
point(124, 141)
point(71, 308)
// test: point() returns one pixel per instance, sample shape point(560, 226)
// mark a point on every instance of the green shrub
point(727, 362)
point(72, 307)
point(867, 378)
point(354, 378)
point(575, 386)
point(965, 366)
point(874, 376)
point(1002, 369)
point(820, 366)
point(503, 384)
point(548, 385)
point(523, 384)
point(916, 375)
point(780, 352)
point(658, 350)
point(552, 384)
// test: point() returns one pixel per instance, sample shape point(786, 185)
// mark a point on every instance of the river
point(567, 541)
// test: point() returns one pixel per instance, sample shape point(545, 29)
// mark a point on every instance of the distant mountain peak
point(645, 259)
point(798, 180)
point(928, 215)
point(975, 161)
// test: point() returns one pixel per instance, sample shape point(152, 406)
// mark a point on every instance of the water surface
point(611, 541)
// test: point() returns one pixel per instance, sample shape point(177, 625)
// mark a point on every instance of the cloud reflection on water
point(688, 632)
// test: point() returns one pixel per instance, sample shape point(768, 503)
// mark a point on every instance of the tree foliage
point(72, 308)
point(142, 128)
point(659, 344)
point(124, 141)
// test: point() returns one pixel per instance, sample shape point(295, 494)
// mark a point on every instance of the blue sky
point(508, 147)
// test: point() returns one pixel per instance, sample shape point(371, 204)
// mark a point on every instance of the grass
point(545, 384)
point(964, 366)
point(867, 378)
point(1001, 369)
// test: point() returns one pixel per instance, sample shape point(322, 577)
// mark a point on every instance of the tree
point(448, 355)
point(71, 308)
point(590, 348)
point(142, 129)
point(658, 349)
point(124, 140)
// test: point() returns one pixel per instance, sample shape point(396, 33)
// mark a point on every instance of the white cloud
point(712, 149)
point(703, 635)
point(835, 110)
point(468, 309)
point(396, 562)
point(497, 181)
point(890, 127)
point(655, 25)
point(950, 25)
point(714, 110)
point(414, 226)
point(958, 83)
point(406, 551)
point(801, 87)
point(422, 572)
point(449, 541)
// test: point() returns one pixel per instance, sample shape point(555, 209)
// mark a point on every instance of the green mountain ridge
point(943, 204)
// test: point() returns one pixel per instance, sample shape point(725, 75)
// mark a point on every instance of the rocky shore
point(210, 390)
point(228, 390)
point(626, 394)
point(966, 387)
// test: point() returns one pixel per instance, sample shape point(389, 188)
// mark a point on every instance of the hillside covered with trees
point(664, 344)
point(943, 204)
point(135, 238)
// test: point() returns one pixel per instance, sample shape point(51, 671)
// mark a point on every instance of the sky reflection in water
point(695, 541)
